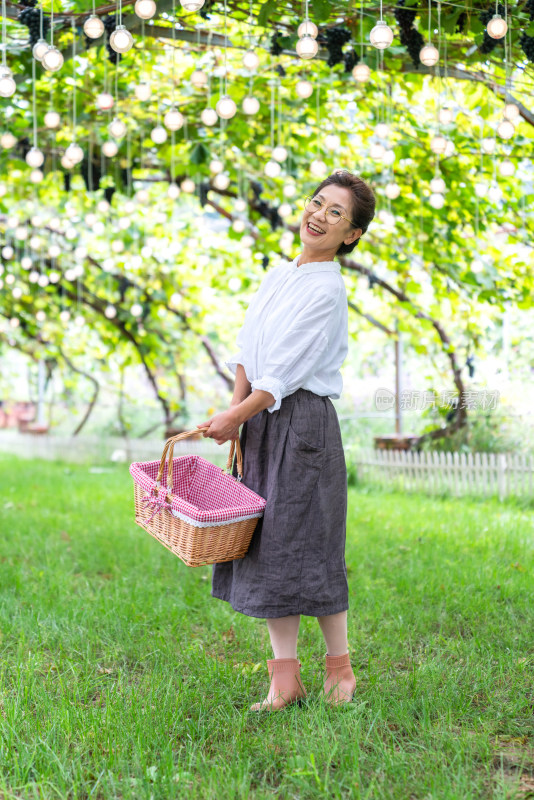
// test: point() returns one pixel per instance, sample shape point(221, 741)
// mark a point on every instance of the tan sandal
point(286, 685)
point(340, 682)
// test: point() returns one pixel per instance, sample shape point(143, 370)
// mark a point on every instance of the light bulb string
point(279, 127)
point(120, 12)
point(116, 87)
point(51, 23)
point(33, 99)
point(318, 118)
point(272, 115)
point(173, 74)
point(4, 33)
point(129, 160)
point(506, 50)
point(307, 13)
point(250, 23)
point(73, 81)
point(225, 49)
point(41, 22)
point(361, 30)
point(429, 19)
point(172, 155)
point(381, 20)
point(90, 164)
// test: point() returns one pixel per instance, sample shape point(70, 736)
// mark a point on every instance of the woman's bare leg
point(284, 632)
point(340, 682)
point(334, 629)
point(285, 678)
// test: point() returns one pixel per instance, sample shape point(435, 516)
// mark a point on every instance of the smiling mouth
point(315, 228)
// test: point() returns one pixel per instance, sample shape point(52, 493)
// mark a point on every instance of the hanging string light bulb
point(497, 26)
point(199, 79)
point(145, 9)
point(104, 99)
point(361, 71)
point(307, 28)
point(250, 104)
point(93, 27)
point(225, 106)
point(506, 168)
point(251, 59)
point(173, 118)
point(121, 40)
point(208, 115)
point(74, 152)
point(381, 35)
point(34, 156)
point(304, 89)
point(117, 127)
point(7, 82)
point(429, 55)
point(511, 111)
point(192, 5)
point(51, 118)
point(52, 58)
point(307, 46)
point(41, 45)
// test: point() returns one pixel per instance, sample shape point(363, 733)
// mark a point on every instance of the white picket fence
point(501, 474)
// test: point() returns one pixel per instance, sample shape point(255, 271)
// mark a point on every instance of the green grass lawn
point(120, 677)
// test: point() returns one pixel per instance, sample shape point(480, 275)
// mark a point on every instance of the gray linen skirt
point(294, 458)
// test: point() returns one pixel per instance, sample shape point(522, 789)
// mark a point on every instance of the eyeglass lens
point(333, 215)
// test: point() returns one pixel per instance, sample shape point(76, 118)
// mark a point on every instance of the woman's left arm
point(225, 426)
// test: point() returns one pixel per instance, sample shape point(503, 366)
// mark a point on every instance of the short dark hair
point(363, 203)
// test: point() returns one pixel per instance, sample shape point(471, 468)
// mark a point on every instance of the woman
point(291, 347)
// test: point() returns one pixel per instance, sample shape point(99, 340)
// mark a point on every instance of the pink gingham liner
point(202, 494)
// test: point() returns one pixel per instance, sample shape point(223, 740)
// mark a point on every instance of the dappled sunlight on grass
point(121, 676)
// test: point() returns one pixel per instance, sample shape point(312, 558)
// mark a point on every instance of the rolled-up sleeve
point(293, 356)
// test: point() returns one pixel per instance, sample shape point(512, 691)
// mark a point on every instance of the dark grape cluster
point(31, 17)
point(335, 39)
point(281, 71)
point(110, 23)
point(275, 48)
point(461, 22)
point(350, 58)
point(410, 37)
point(488, 43)
point(527, 45)
point(529, 6)
point(404, 16)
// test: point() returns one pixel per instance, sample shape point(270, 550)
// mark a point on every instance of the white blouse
point(295, 334)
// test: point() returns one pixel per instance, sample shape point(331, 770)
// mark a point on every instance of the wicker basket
point(203, 514)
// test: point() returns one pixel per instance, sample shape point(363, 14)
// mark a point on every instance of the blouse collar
point(314, 266)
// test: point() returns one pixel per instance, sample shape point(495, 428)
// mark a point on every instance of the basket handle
point(169, 448)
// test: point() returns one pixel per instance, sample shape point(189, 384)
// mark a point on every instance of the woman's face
point(339, 198)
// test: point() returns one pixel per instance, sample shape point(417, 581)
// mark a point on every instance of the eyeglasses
point(333, 215)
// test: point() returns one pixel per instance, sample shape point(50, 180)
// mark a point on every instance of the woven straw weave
point(207, 516)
